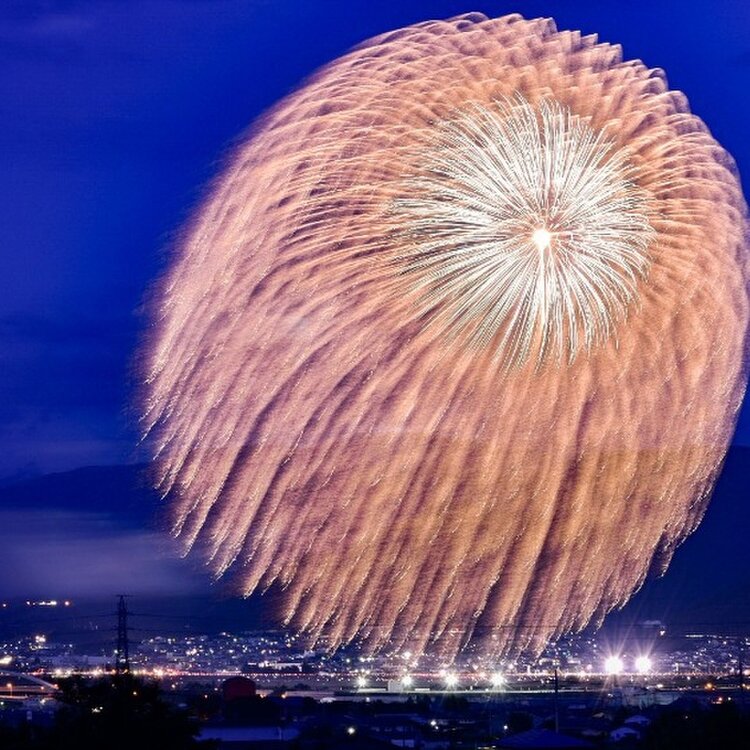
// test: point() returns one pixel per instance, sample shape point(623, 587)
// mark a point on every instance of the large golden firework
point(455, 347)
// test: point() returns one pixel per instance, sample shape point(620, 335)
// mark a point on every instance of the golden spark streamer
point(454, 349)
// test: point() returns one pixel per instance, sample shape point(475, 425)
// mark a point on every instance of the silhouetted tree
point(252, 711)
point(117, 713)
point(519, 721)
point(723, 726)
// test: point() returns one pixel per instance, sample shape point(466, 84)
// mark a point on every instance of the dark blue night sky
point(116, 113)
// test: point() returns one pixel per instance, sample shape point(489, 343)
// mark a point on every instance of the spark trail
point(457, 342)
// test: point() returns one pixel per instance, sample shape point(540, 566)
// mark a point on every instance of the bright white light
point(541, 238)
point(361, 681)
point(451, 680)
point(526, 231)
point(351, 730)
point(407, 681)
point(643, 665)
point(498, 680)
point(613, 665)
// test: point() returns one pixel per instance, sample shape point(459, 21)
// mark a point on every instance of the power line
point(122, 651)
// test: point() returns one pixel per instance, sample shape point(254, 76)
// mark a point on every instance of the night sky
point(116, 114)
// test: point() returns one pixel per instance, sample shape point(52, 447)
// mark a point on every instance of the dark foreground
point(128, 712)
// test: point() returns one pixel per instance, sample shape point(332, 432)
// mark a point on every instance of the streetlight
point(613, 665)
point(407, 681)
point(498, 680)
point(451, 680)
point(643, 665)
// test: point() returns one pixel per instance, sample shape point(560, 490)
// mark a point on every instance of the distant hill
point(120, 491)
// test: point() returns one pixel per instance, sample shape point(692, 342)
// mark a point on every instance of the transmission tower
point(122, 652)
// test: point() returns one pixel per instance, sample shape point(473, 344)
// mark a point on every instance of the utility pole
point(557, 712)
point(122, 652)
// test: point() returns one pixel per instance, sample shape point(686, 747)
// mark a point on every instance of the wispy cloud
point(60, 554)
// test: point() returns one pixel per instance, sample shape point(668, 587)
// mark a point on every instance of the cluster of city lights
point(614, 665)
point(450, 680)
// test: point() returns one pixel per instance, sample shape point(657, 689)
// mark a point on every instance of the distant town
point(586, 686)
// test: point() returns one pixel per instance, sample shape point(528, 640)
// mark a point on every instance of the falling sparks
point(453, 351)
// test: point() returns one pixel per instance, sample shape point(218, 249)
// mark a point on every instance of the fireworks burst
point(454, 349)
point(526, 223)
